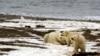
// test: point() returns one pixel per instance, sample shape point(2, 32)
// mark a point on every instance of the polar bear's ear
point(65, 33)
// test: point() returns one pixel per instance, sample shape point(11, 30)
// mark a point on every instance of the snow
point(72, 25)
point(95, 33)
point(52, 50)
point(37, 52)
point(90, 45)
point(50, 24)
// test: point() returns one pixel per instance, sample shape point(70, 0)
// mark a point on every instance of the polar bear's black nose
point(72, 38)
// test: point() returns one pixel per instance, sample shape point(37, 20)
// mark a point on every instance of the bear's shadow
point(87, 54)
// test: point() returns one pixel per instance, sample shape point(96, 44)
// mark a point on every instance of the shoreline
point(9, 16)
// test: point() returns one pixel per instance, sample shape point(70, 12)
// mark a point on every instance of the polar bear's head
point(74, 38)
point(65, 33)
point(62, 40)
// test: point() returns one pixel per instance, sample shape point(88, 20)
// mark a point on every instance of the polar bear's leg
point(75, 45)
point(67, 41)
point(82, 45)
point(82, 48)
point(46, 38)
point(57, 43)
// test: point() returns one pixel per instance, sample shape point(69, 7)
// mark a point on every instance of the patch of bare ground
point(87, 54)
point(3, 51)
point(98, 44)
point(7, 49)
point(22, 44)
point(7, 32)
point(97, 40)
point(20, 32)
point(1, 54)
point(89, 36)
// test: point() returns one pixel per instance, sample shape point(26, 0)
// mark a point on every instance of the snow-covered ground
point(50, 50)
point(62, 25)
point(28, 46)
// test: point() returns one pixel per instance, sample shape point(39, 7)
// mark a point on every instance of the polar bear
point(78, 42)
point(76, 39)
point(68, 35)
point(54, 38)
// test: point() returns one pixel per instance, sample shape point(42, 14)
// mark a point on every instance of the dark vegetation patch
point(24, 32)
point(7, 32)
point(9, 16)
point(98, 34)
point(97, 40)
point(89, 36)
point(21, 32)
point(2, 54)
point(22, 44)
point(7, 49)
point(98, 44)
point(3, 51)
point(25, 42)
point(87, 54)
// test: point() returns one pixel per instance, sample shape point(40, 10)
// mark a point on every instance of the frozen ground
point(30, 46)
point(51, 24)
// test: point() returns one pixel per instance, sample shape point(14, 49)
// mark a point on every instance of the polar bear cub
point(78, 42)
point(76, 39)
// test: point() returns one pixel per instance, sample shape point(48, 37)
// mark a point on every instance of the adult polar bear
point(54, 38)
point(76, 39)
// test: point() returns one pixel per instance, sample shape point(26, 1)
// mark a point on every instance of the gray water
point(51, 8)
